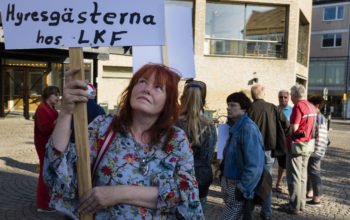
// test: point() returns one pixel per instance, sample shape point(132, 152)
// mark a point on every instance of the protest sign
point(177, 52)
point(223, 135)
point(77, 23)
point(179, 40)
point(146, 54)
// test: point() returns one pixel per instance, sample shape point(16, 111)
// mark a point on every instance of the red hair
point(163, 75)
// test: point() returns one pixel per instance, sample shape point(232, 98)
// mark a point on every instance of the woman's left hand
point(96, 199)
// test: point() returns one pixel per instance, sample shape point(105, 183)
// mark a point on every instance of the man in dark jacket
point(269, 120)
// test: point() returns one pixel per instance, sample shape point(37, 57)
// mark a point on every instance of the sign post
point(81, 131)
point(325, 98)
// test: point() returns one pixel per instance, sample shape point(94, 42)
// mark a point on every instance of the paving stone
point(18, 179)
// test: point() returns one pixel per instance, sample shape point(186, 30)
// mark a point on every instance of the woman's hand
point(102, 197)
point(74, 91)
point(97, 198)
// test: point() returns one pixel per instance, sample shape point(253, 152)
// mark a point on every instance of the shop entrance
point(22, 89)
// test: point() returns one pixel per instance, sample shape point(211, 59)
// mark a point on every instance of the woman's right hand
point(74, 91)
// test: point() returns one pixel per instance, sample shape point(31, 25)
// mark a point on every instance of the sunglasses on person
point(283, 97)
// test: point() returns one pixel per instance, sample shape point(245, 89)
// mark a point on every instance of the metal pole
point(2, 91)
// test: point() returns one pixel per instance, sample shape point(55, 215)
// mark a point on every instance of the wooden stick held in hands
point(81, 132)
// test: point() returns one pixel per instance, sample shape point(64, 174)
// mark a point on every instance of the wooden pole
point(81, 131)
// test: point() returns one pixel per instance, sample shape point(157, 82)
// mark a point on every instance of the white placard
point(81, 23)
point(142, 55)
point(223, 134)
point(179, 39)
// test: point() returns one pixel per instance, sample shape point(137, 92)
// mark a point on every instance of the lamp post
point(325, 98)
point(344, 104)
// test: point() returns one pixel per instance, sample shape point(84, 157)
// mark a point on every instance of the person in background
point(243, 159)
point(314, 182)
point(201, 133)
point(203, 91)
point(44, 122)
point(147, 171)
point(93, 109)
point(302, 120)
point(283, 99)
point(267, 118)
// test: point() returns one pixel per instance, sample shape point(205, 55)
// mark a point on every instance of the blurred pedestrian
point(44, 122)
point(314, 182)
point(201, 133)
point(268, 119)
point(243, 160)
point(93, 109)
point(302, 143)
point(283, 99)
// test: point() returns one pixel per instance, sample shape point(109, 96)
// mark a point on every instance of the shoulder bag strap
point(105, 145)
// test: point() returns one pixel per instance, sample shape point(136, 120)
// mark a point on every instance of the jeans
point(203, 201)
point(266, 206)
point(314, 176)
point(296, 178)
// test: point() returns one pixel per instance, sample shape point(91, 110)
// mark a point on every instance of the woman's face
point(53, 99)
point(234, 111)
point(148, 97)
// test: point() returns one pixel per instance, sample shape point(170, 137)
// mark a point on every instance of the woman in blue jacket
point(243, 161)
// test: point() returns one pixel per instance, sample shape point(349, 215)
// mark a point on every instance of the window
point(332, 40)
point(333, 13)
point(317, 73)
point(245, 30)
point(327, 72)
point(335, 72)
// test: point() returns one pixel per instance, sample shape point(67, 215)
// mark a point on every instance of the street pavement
point(18, 178)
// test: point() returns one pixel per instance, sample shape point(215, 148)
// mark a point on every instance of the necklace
point(143, 161)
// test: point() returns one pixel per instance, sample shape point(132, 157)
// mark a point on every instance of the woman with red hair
point(146, 171)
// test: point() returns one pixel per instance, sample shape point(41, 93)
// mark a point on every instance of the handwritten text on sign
point(81, 23)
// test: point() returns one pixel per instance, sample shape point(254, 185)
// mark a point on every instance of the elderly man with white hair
point(267, 117)
point(302, 121)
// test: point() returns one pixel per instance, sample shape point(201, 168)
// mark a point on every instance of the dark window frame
point(335, 41)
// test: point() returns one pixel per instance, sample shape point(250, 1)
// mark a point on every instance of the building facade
point(329, 55)
point(236, 44)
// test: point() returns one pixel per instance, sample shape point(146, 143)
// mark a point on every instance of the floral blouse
point(170, 169)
